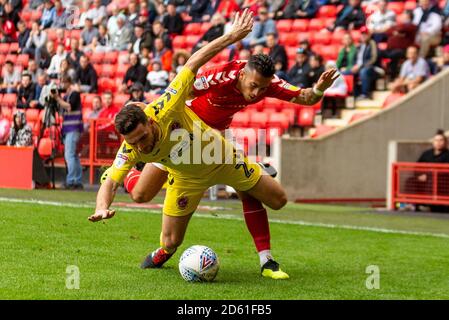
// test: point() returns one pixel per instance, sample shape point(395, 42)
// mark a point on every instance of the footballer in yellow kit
point(183, 141)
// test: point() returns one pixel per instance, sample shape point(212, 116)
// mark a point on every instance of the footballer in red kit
point(218, 93)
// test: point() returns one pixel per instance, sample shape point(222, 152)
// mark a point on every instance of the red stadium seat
point(76, 33)
point(9, 100)
point(111, 57)
point(179, 42)
point(327, 11)
point(410, 5)
point(302, 36)
point(22, 60)
point(240, 119)
point(121, 70)
point(322, 130)
point(397, 7)
point(306, 117)
point(4, 48)
point(120, 99)
point(300, 25)
point(356, 34)
point(291, 52)
point(36, 15)
point(97, 58)
point(390, 99)
point(51, 34)
point(32, 114)
point(284, 26)
point(7, 112)
point(205, 26)
point(329, 52)
point(258, 120)
point(316, 24)
point(322, 37)
point(45, 148)
point(98, 68)
point(272, 103)
point(288, 39)
point(192, 29)
point(106, 84)
point(12, 58)
point(358, 116)
point(25, 15)
point(108, 70)
point(87, 99)
point(337, 37)
point(278, 120)
point(191, 41)
point(290, 114)
point(349, 79)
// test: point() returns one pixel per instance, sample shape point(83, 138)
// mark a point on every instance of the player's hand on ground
point(138, 104)
point(243, 24)
point(327, 79)
point(101, 215)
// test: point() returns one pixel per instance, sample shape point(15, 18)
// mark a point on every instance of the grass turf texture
point(39, 241)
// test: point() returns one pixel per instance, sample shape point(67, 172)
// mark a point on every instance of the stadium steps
point(375, 103)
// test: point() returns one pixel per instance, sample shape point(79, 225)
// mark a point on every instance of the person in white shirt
point(85, 13)
point(112, 25)
point(429, 27)
point(157, 78)
point(97, 13)
point(380, 21)
point(55, 64)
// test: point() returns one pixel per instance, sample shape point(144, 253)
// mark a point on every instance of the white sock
point(264, 255)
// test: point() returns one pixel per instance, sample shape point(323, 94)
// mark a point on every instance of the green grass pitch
point(319, 246)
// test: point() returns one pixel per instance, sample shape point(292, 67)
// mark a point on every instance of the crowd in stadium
point(115, 51)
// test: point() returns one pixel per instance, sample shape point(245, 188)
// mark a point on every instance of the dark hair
point(129, 118)
point(9, 62)
point(263, 64)
point(440, 132)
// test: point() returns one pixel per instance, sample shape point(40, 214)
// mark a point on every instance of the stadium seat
point(179, 42)
point(25, 15)
point(410, 5)
point(327, 11)
point(87, 99)
point(316, 24)
point(45, 148)
point(123, 57)
point(337, 37)
point(284, 26)
point(397, 7)
point(51, 34)
point(278, 120)
point(258, 120)
point(111, 57)
point(322, 37)
point(306, 117)
point(36, 15)
point(305, 35)
point(192, 29)
point(9, 100)
point(300, 25)
point(355, 34)
point(22, 60)
point(4, 48)
point(329, 52)
point(98, 68)
point(106, 84)
point(12, 58)
point(358, 116)
point(32, 115)
point(205, 26)
point(390, 99)
point(120, 99)
point(291, 52)
point(108, 70)
point(272, 103)
point(322, 130)
point(97, 57)
point(121, 70)
point(349, 79)
point(240, 119)
point(288, 39)
point(7, 112)
point(191, 41)
point(290, 114)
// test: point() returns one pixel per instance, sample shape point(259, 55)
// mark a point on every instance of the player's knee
point(172, 241)
point(139, 197)
point(279, 201)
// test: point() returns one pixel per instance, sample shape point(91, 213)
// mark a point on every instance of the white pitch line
point(232, 217)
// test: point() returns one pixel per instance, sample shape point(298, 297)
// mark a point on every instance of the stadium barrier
point(16, 167)
point(420, 183)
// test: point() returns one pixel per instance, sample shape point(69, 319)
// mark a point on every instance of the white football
point(199, 263)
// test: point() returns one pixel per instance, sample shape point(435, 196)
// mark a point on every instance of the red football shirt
point(216, 98)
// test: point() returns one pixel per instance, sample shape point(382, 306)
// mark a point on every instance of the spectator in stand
point(93, 115)
point(46, 54)
point(36, 41)
point(298, 74)
point(316, 68)
point(400, 37)
point(102, 43)
point(23, 35)
point(278, 54)
point(236, 51)
point(163, 54)
point(157, 78)
point(55, 65)
point(133, 12)
point(141, 38)
point(135, 73)
point(61, 16)
point(144, 18)
point(276, 9)
point(261, 28)
point(414, 71)
point(10, 14)
point(33, 70)
point(98, 13)
point(137, 93)
point(66, 70)
point(172, 20)
point(48, 15)
point(443, 61)
point(75, 53)
point(300, 9)
point(72, 127)
point(109, 110)
point(350, 17)
point(5, 128)
point(160, 32)
point(85, 7)
point(227, 8)
point(203, 10)
point(11, 78)
point(347, 55)
point(180, 58)
point(216, 30)
point(336, 93)
point(41, 83)
point(253, 5)
point(89, 32)
point(112, 25)
point(26, 95)
point(121, 37)
point(20, 134)
point(366, 61)
point(429, 25)
point(61, 38)
point(86, 76)
point(35, 4)
point(381, 21)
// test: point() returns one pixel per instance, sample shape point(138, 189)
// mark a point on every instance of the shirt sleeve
point(124, 161)
point(282, 90)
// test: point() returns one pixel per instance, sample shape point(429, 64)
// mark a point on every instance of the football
point(199, 263)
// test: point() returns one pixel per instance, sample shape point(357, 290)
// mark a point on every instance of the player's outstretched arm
point(310, 96)
point(105, 196)
point(242, 26)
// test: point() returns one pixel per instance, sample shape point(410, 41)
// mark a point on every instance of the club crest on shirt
point(120, 160)
point(183, 202)
point(201, 83)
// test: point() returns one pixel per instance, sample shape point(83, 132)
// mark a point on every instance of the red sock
point(256, 219)
point(131, 179)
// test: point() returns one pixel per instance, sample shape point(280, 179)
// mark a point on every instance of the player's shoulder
point(277, 82)
point(221, 74)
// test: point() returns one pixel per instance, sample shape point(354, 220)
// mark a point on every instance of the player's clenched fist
point(243, 24)
point(101, 214)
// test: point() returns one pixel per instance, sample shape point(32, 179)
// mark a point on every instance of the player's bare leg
point(172, 235)
point(144, 186)
point(270, 192)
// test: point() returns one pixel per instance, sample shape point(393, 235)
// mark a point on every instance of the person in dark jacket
point(203, 10)
point(86, 75)
point(216, 30)
point(350, 17)
point(277, 52)
point(135, 73)
point(26, 96)
point(298, 74)
point(316, 68)
point(23, 35)
point(172, 20)
point(300, 9)
point(141, 38)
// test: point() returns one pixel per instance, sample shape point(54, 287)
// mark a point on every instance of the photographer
point(72, 127)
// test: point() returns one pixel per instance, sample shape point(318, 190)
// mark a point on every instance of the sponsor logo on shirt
point(120, 160)
point(201, 83)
